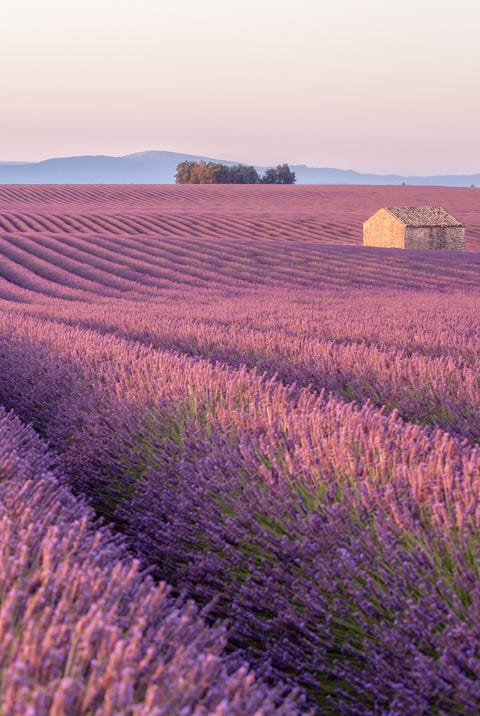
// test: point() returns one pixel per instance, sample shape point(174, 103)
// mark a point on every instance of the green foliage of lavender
point(340, 541)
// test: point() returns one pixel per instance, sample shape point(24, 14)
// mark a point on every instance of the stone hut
point(414, 227)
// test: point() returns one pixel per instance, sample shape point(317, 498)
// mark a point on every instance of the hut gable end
point(414, 227)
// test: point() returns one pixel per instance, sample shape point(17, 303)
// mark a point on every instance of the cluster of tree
point(214, 173)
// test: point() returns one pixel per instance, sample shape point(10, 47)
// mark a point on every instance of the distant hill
point(326, 175)
point(141, 168)
point(157, 167)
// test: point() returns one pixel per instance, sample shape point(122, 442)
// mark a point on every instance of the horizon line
point(204, 156)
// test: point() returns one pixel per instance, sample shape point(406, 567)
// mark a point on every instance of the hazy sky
point(363, 84)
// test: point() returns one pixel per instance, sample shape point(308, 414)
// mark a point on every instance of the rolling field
point(278, 423)
point(79, 242)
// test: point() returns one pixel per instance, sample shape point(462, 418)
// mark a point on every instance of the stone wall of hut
point(383, 229)
point(435, 237)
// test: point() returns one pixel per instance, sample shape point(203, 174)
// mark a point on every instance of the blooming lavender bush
point(82, 631)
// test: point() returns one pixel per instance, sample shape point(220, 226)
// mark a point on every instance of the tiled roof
point(423, 216)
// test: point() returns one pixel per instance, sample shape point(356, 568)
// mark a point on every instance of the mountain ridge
point(158, 167)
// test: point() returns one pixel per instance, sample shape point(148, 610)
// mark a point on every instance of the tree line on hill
point(201, 172)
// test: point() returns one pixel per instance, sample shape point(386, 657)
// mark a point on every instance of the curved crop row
point(419, 356)
point(139, 264)
point(181, 225)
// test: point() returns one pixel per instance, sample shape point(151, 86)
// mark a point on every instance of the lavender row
point(82, 631)
point(429, 323)
point(342, 543)
point(417, 354)
point(213, 252)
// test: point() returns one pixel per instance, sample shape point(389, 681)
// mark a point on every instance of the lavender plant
point(82, 630)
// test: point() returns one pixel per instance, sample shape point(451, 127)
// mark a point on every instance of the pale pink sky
point(370, 85)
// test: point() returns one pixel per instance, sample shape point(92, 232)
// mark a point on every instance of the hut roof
point(423, 216)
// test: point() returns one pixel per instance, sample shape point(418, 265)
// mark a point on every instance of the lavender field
point(279, 430)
